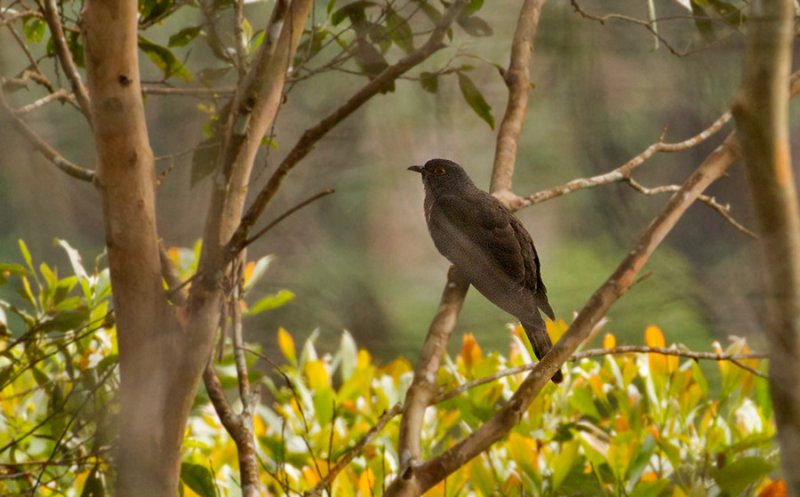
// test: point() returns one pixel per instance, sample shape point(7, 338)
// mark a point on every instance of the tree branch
point(312, 135)
point(517, 79)
point(53, 19)
point(624, 171)
point(722, 210)
point(42, 146)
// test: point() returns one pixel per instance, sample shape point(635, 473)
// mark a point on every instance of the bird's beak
point(416, 169)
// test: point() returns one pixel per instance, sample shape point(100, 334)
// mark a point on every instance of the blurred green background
point(362, 260)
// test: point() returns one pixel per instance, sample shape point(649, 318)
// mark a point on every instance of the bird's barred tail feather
point(540, 340)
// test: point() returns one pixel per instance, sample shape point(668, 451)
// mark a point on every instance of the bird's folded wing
point(488, 225)
point(533, 274)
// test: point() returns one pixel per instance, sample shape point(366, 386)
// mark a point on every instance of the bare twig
point(342, 463)
point(53, 19)
point(624, 171)
point(238, 34)
point(722, 210)
point(60, 95)
point(312, 135)
point(649, 25)
point(42, 146)
point(283, 216)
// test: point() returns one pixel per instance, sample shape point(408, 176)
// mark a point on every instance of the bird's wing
point(487, 225)
point(533, 274)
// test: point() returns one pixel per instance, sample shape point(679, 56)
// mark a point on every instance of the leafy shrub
point(635, 424)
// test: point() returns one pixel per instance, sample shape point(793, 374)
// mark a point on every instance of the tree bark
point(153, 409)
point(761, 112)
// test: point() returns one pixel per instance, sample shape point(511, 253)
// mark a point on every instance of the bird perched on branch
point(488, 245)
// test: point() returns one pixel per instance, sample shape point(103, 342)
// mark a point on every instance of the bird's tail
point(540, 340)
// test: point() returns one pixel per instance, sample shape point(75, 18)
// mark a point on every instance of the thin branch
point(342, 463)
point(517, 79)
point(623, 349)
point(280, 218)
point(60, 95)
point(238, 34)
point(722, 210)
point(312, 135)
point(624, 171)
point(53, 19)
point(42, 146)
point(648, 25)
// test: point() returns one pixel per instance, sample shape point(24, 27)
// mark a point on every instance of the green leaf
point(582, 401)
point(650, 488)
point(271, 302)
point(475, 99)
point(738, 475)
point(34, 29)
point(429, 81)
point(563, 461)
point(199, 479)
point(184, 36)
point(473, 6)
point(27, 256)
point(704, 24)
point(355, 11)
point(474, 25)
point(324, 405)
point(165, 60)
point(204, 159)
point(399, 30)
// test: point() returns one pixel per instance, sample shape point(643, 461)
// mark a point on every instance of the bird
point(489, 246)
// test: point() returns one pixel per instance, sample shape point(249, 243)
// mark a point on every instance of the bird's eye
point(439, 171)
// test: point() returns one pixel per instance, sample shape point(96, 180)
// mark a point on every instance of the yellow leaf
point(555, 329)
point(609, 341)
point(316, 375)
point(524, 452)
point(248, 271)
point(470, 350)
point(174, 253)
point(286, 344)
point(654, 338)
point(362, 360)
point(310, 477)
point(259, 427)
point(366, 482)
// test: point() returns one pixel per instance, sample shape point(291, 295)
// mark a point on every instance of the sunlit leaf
point(286, 344)
point(270, 302)
point(738, 475)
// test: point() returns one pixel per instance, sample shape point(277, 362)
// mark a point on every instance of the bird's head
point(443, 176)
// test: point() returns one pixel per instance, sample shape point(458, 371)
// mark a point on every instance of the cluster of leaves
point(58, 376)
point(637, 424)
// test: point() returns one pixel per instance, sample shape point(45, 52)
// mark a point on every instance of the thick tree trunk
point(156, 386)
point(761, 112)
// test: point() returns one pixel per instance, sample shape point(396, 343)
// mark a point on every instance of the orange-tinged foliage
point(774, 489)
point(366, 483)
point(470, 350)
point(609, 341)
